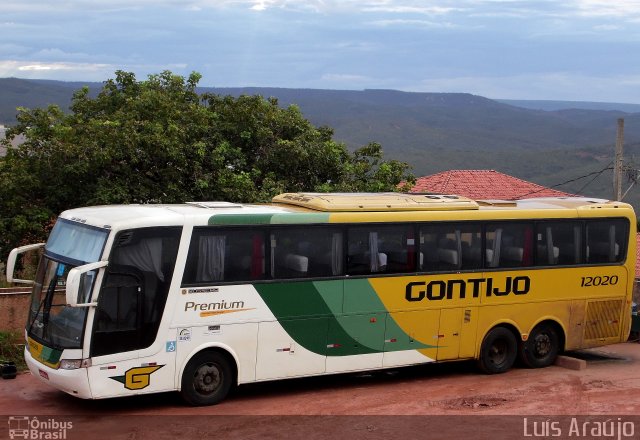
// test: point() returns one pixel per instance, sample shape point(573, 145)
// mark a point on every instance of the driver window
point(135, 288)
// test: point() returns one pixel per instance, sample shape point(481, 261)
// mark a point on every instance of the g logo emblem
point(137, 378)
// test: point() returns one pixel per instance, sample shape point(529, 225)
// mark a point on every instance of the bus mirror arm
point(13, 257)
point(74, 281)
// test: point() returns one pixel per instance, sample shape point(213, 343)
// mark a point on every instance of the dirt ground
point(445, 401)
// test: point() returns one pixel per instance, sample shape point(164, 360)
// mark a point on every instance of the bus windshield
point(51, 321)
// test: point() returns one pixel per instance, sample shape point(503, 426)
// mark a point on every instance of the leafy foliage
point(12, 349)
point(159, 141)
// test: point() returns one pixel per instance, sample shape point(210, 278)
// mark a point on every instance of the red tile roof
point(483, 184)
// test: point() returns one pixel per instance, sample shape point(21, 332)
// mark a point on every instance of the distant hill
point(566, 105)
point(417, 121)
point(15, 92)
point(547, 142)
point(400, 121)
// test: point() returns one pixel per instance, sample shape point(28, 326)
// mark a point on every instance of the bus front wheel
point(498, 352)
point(541, 347)
point(207, 379)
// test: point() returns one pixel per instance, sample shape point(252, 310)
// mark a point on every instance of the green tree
point(159, 141)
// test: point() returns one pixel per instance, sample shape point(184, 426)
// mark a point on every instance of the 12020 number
point(605, 280)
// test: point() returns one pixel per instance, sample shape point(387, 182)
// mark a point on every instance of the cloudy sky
point(586, 50)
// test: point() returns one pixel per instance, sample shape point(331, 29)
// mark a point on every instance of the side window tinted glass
point(381, 249)
point(606, 240)
point(222, 255)
point(306, 252)
point(558, 243)
point(450, 247)
point(509, 245)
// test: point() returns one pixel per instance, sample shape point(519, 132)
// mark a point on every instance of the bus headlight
point(74, 364)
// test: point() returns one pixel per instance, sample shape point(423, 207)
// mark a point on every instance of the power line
point(598, 173)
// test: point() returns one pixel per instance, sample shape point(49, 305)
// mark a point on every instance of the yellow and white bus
point(201, 297)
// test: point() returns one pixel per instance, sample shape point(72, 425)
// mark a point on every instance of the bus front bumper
point(74, 382)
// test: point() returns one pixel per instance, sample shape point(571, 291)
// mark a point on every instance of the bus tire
point(541, 347)
point(206, 379)
point(498, 351)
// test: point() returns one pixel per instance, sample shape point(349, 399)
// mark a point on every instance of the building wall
point(13, 310)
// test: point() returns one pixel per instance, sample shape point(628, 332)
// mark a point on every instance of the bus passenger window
point(450, 247)
point(219, 255)
point(558, 243)
point(306, 252)
point(605, 241)
point(380, 249)
point(509, 245)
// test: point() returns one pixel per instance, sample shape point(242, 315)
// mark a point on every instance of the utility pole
point(617, 165)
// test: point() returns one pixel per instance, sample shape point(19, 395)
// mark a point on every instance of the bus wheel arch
point(499, 349)
point(208, 377)
point(546, 340)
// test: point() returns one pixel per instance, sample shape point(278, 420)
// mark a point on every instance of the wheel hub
point(542, 345)
point(207, 379)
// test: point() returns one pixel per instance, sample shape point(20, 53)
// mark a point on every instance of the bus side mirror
point(80, 281)
point(13, 257)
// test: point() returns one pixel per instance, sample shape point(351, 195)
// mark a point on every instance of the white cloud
point(417, 23)
point(624, 9)
point(56, 70)
point(419, 8)
point(607, 27)
point(261, 5)
point(59, 54)
point(436, 7)
point(607, 8)
point(12, 65)
point(66, 71)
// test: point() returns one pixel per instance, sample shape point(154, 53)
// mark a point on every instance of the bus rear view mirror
point(80, 282)
point(13, 257)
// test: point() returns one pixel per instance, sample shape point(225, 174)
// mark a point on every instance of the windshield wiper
point(45, 306)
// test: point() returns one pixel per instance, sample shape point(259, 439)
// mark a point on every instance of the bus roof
point(338, 207)
point(390, 201)
point(383, 202)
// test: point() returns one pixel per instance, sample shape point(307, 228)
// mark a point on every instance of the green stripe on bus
point(293, 218)
point(312, 314)
point(365, 335)
point(361, 298)
point(50, 356)
point(266, 219)
point(331, 293)
point(307, 318)
point(240, 219)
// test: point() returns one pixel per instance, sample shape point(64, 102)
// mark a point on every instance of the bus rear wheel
point(207, 379)
point(498, 351)
point(541, 347)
